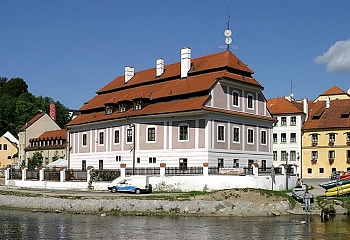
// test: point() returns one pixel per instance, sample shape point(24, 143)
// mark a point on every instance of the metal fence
point(32, 175)
point(15, 173)
point(106, 175)
point(184, 171)
point(143, 171)
point(52, 175)
point(76, 175)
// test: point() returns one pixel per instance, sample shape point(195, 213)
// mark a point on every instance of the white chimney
point(305, 108)
point(328, 102)
point(185, 61)
point(160, 67)
point(129, 73)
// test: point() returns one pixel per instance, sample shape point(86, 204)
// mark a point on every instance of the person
point(299, 183)
point(306, 199)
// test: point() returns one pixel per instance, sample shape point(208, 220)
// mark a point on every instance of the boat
point(298, 195)
point(344, 176)
point(334, 183)
point(339, 191)
point(340, 187)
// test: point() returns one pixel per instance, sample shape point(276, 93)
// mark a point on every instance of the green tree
point(35, 161)
point(14, 87)
point(7, 114)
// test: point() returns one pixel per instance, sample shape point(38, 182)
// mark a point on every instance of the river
point(37, 225)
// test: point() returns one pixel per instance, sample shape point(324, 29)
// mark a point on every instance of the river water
point(29, 225)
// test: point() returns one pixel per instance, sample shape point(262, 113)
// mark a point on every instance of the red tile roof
point(282, 105)
point(51, 135)
point(336, 116)
point(168, 93)
point(333, 91)
point(31, 121)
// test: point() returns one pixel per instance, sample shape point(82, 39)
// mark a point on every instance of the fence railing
point(32, 175)
point(183, 171)
point(15, 174)
point(76, 175)
point(143, 171)
point(52, 175)
point(106, 175)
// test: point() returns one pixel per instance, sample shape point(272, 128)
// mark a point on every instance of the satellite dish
point(228, 40)
point(227, 33)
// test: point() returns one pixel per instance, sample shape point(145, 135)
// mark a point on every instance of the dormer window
point(138, 105)
point(122, 107)
point(109, 110)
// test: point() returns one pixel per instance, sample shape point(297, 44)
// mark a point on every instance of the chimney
point(53, 111)
point(160, 67)
point(328, 102)
point(305, 108)
point(129, 73)
point(185, 61)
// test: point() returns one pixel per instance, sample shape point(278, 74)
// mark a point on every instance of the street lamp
point(131, 125)
point(286, 171)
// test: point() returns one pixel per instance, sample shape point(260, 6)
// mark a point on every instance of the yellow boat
point(339, 187)
point(338, 192)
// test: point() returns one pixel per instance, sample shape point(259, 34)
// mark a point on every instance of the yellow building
point(326, 135)
point(8, 150)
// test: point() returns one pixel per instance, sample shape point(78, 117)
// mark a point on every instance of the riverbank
point(236, 202)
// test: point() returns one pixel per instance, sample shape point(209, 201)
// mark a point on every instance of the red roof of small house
point(31, 121)
point(336, 116)
point(282, 105)
point(168, 93)
point(51, 135)
point(333, 91)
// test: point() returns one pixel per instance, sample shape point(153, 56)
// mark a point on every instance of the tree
point(7, 114)
point(14, 87)
point(35, 161)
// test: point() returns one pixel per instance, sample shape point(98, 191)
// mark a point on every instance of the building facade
point(207, 109)
point(8, 150)
point(291, 115)
point(326, 135)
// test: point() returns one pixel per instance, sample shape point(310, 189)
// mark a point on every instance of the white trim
point(250, 108)
point(155, 133)
point(250, 128)
point(261, 131)
point(178, 132)
point(235, 91)
point(113, 136)
point(82, 138)
point(217, 133)
point(98, 138)
point(233, 133)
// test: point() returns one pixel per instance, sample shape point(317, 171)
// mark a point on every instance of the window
point(151, 134)
point(275, 138)
point(83, 165)
point(292, 155)
point(84, 139)
point(100, 164)
point(220, 162)
point(293, 137)
point(152, 160)
point(348, 137)
point(321, 170)
point(183, 132)
point(284, 156)
point(137, 105)
point(314, 154)
point(129, 135)
point(8, 157)
point(283, 137)
point(183, 163)
point(5, 146)
point(283, 121)
point(263, 137)
point(309, 170)
point(331, 154)
point(314, 138)
point(118, 158)
point(250, 101)
point(122, 107)
point(109, 110)
point(235, 98)
point(347, 153)
point(274, 155)
point(236, 163)
point(221, 133)
point(331, 137)
point(101, 138)
point(138, 160)
point(0, 147)
point(250, 136)
point(236, 134)
point(116, 136)
point(293, 121)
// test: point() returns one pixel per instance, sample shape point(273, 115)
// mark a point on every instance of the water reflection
point(28, 225)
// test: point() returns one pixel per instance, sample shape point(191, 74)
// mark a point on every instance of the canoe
point(298, 194)
point(344, 176)
point(340, 187)
point(334, 183)
point(340, 192)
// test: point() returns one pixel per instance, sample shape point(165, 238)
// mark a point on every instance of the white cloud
point(337, 57)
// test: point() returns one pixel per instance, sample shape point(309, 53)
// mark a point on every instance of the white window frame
point(252, 97)
point(250, 129)
point(99, 138)
point(129, 130)
point(217, 133)
point(233, 134)
point(261, 140)
point(114, 131)
point(293, 140)
point(283, 137)
point(82, 140)
point(283, 121)
point(293, 120)
point(233, 98)
point(155, 134)
point(188, 132)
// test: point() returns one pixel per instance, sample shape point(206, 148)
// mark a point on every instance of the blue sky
point(69, 49)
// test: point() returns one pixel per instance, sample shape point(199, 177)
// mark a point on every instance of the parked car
point(133, 184)
point(335, 175)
